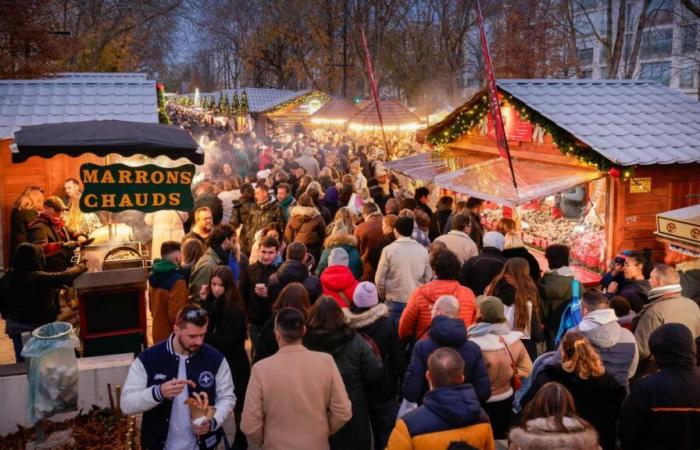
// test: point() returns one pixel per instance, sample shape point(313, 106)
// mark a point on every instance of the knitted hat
point(365, 295)
point(494, 239)
point(491, 308)
point(338, 257)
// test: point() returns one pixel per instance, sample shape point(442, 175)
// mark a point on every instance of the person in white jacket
point(167, 226)
point(163, 377)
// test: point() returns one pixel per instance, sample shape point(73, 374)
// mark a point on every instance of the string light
point(561, 139)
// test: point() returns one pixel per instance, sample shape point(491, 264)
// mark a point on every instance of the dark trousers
point(395, 311)
point(253, 333)
point(17, 344)
point(501, 415)
point(383, 418)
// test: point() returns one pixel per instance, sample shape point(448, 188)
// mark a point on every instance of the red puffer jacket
point(416, 318)
point(336, 279)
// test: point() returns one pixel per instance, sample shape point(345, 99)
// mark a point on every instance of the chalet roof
point(335, 109)
point(262, 99)
point(627, 121)
point(394, 114)
point(75, 99)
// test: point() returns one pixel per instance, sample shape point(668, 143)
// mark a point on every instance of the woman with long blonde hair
point(520, 295)
point(26, 208)
point(597, 395)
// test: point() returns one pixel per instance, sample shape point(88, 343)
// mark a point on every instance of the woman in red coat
point(337, 280)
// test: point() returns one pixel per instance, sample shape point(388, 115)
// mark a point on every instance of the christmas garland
point(301, 99)
point(471, 116)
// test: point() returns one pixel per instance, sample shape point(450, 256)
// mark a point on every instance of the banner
point(494, 103)
point(149, 188)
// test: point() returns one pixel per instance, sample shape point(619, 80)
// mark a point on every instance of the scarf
point(56, 223)
point(484, 328)
point(661, 291)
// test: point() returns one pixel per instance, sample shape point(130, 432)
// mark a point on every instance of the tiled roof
point(627, 121)
point(262, 99)
point(102, 76)
point(56, 100)
point(393, 113)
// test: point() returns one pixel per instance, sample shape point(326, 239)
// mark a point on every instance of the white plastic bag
point(405, 408)
point(52, 371)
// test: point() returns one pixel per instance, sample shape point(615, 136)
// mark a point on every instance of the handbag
point(515, 380)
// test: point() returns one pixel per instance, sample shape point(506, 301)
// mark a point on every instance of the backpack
point(373, 345)
point(572, 314)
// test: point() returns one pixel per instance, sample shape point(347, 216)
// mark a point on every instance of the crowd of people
point(315, 299)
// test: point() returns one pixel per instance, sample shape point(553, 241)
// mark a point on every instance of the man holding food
point(182, 386)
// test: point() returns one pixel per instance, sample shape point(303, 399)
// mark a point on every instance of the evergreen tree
point(235, 104)
point(245, 109)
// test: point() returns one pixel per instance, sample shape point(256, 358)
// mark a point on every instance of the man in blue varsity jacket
point(162, 378)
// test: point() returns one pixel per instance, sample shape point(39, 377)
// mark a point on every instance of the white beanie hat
point(338, 257)
point(365, 295)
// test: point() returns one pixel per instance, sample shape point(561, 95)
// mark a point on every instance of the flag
point(494, 103)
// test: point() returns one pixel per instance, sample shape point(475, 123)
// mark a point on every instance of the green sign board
point(149, 188)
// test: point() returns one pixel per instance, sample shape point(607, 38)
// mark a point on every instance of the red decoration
point(160, 86)
point(614, 172)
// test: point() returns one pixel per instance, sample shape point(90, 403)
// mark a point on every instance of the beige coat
point(459, 243)
point(673, 309)
point(295, 400)
point(403, 267)
point(498, 362)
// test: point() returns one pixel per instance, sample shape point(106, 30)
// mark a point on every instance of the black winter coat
point(636, 292)
point(375, 323)
point(19, 227)
point(266, 342)
point(42, 232)
point(357, 365)
point(291, 272)
point(438, 222)
point(259, 309)
point(521, 252)
point(227, 333)
point(663, 409)
point(598, 399)
point(30, 295)
point(478, 271)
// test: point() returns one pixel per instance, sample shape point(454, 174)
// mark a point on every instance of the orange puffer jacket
point(416, 318)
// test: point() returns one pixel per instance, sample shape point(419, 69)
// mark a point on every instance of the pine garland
point(301, 99)
point(160, 98)
point(563, 140)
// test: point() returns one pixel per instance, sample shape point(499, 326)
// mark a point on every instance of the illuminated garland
point(562, 139)
point(301, 99)
point(160, 98)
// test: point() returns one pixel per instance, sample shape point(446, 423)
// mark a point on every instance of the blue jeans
point(395, 311)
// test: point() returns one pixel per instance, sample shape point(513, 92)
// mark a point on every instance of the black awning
point(105, 137)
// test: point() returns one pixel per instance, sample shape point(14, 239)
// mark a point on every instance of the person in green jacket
point(341, 238)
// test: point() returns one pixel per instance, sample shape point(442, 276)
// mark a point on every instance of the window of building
point(587, 74)
point(585, 5)
point(585, 56)
point(657, 43)
point(658, 71)
point(687, 78)
point(689, 38)
point(603, 59)
point(660, 12)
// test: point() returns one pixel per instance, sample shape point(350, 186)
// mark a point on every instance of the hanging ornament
point(538, 135)
point(614, 172)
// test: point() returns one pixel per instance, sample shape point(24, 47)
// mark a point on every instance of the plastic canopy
point(426, 166)
point(492, 181)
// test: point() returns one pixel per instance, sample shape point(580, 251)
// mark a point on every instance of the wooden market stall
point(395, 118)
point(66, 98)
point(620, 151)
point(335, 113)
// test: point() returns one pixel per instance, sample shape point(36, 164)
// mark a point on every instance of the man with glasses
point(162, 378)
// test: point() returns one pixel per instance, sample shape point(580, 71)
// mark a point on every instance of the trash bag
point(52, 371)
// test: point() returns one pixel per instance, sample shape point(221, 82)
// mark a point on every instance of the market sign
point(516, 128)
point(149, 188)
point(640, 185)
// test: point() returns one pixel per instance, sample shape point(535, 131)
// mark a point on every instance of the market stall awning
point(335, 112)
point(427, 166)
point(492, 180)
point(105, 137)
point(395, 117)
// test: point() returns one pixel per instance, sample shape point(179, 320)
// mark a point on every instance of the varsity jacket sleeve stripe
point(225, 398)
point(136, 397)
